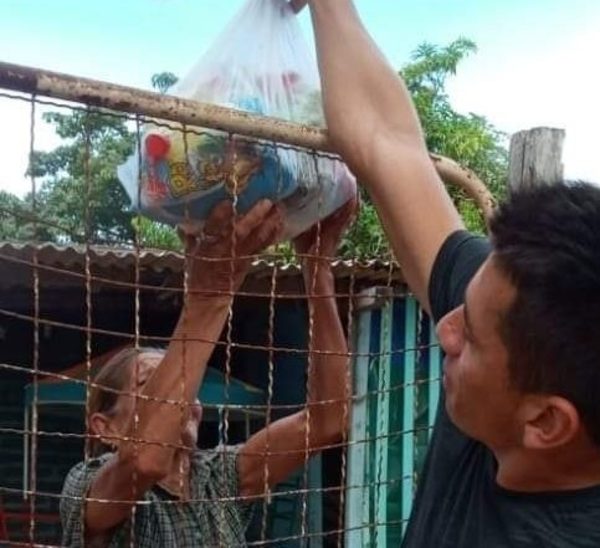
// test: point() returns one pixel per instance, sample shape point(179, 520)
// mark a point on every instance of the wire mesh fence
point(79, 287)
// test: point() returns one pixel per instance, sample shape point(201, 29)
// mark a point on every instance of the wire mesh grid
point(79, 299)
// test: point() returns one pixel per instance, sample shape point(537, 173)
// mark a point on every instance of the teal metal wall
point(396, 377)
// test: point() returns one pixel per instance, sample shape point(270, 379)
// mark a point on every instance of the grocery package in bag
point(259, 64)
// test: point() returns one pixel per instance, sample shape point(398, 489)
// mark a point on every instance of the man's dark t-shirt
point(458, 503)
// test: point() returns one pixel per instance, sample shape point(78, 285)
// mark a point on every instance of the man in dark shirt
point(515, 455)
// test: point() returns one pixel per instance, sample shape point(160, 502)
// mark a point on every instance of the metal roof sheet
point(119, 264)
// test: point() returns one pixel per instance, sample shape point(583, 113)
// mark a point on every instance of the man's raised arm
point(373, 124)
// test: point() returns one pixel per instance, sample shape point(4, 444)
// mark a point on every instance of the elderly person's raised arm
point(164, 415)
point(373, 125)
point(273, 453)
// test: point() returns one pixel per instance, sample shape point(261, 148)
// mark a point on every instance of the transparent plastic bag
point(259, 64)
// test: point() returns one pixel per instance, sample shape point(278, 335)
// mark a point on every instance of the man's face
point(479, 397)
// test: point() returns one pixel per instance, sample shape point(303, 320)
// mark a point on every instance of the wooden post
point(536, 158)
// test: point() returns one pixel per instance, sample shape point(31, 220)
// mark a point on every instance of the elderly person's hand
point(320, 243)
point(219, 256)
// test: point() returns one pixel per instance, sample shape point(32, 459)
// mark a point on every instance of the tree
point(163, 81)
point(469, 139)
point(80, 195)
point(14, 218)
point(80, 189)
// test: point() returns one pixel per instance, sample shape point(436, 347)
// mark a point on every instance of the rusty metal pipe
point(154, 105)
point(193, 113)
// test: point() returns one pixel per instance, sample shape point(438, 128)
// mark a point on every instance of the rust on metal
point(194, 113)
point(453, 173)
point(154, 105)
point(18, 78)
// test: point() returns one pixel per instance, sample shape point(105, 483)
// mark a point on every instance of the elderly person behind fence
point(164, 491)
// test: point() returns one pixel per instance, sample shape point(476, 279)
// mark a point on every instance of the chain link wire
point(274, 272)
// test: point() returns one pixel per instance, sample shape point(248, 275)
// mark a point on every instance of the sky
point(536, 65)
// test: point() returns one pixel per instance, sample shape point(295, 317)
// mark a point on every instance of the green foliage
point(79, 191)
point(156, 235)
point(163, 81)
point(431, 66)
point(14, 218)
point(468, 139)
point(365, 239)
point(79, 197)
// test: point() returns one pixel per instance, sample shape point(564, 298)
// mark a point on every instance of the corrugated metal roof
point(119, 264)
point(73, 256)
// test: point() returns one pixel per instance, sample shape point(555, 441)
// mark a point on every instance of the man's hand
point(373, 124)
point(218, 258)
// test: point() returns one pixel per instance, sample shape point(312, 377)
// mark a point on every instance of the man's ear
point(550, 421)
point(101, 425)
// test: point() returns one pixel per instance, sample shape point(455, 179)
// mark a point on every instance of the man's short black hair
point(547, 241)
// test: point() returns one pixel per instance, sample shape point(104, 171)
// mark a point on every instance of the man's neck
point(539, 471)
